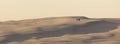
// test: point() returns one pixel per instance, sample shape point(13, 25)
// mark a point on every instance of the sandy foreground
point(61, 30)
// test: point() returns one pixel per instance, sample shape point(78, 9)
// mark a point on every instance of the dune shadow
point(92, 27)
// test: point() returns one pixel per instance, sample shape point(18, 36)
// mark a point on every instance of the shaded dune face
point(59, 27)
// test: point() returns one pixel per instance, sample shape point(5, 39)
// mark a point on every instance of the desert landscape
point(61, 30)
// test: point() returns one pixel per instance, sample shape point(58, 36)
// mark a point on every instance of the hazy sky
point(25, 9)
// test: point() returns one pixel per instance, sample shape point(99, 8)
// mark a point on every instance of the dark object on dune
point(78, 19)
point(82, 17)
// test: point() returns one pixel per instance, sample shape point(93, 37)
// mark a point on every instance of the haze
point(29, 9)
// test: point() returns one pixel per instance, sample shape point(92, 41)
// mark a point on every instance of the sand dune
point(61, 30)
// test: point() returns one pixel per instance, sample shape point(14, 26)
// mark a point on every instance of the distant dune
point(61, 30)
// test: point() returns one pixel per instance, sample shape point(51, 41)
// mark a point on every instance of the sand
point(61, 30)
